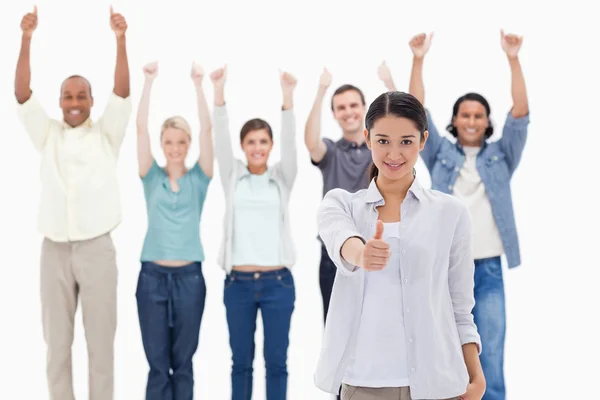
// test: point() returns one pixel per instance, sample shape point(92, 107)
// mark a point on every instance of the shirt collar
point(349, 145)
point(246, 172)
point(85, 124)
point(374, 195)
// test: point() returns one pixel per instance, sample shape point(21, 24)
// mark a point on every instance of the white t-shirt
point(470, 189)
point(380, 358)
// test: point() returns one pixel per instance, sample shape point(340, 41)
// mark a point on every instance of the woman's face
point(175, 144)
point(257, 146)
point(395, 144)
point(471, 122)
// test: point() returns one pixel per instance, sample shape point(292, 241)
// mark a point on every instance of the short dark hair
point(398, 104)
point(346, 88)
point(473, 97)
point(255, 125)
point(77, 76)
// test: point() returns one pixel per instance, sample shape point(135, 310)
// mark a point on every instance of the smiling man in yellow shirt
point(79, 208)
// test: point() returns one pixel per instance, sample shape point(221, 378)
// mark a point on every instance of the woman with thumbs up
point(171, 288)
point(400, 324)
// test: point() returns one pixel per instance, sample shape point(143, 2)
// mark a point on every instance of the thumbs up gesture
point(117, 23)
point(376, 252)
point(29, 22)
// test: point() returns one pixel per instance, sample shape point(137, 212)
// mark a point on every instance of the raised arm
point(289, 157)
point(23, 73)
point(312, 131)
point(206, 159)
point(419, 45)
point(511, 44)
point(223, 147)
point(514, 133)
point(119, 26)
point(385, 75)
point(144, 152)
point(31, 113)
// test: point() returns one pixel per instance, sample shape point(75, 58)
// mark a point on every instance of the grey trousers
point(365, 393)
point(84, 271)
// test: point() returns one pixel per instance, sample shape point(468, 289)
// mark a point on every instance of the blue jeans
point(490, 318)
point(170, 304)
point(272, 292)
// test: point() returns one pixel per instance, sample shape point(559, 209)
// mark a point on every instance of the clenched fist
point(511, 44)
point(29, 22)
point(376, 253)
point(325, 79)
point(219, 76)
point(420, 44)
point(197, 74)
point(151, 70)
point(117, 23)
point(288, 82)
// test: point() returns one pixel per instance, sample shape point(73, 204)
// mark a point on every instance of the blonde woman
point(171, 288)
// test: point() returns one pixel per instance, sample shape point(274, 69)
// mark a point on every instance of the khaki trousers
point(84, 270)
point(365, 393)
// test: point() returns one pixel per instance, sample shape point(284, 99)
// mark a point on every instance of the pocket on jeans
point(286, 280)
point(493, 268)
point(147, 284)
point(348, 391)
point(229, 281)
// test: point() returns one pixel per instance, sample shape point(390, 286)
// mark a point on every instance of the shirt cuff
point(31, 104)
point(516, 122)
point(220, 111)
point(345, 267)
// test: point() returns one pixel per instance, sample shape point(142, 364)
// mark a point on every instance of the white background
point(552, 299)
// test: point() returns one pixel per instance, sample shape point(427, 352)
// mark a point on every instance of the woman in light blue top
point(400, 324)
point(171, 289)
point(257, 251)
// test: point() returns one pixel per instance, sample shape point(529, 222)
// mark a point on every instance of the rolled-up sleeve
point(514, 138)
point(461, 280)
point(35, 120)
point(336, 226)
point(115, 118)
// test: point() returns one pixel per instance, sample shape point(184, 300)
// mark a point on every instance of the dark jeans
point(327, 271)
point(274, 294)
point(170, 304)
point(490, 318)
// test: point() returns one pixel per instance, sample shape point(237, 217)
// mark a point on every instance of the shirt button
point(410, 340)
point(450, 187)
point(256, 275)
point(403, 251)
point(413, 370)
point(406, 281)
point(408, 310)
point(456, 169)
point(443, 161)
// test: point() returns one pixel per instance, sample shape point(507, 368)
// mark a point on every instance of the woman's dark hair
point(397, 104)
point(255, 125)
point(473, 97)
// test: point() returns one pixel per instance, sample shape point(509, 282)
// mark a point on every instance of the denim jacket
point(496, 163)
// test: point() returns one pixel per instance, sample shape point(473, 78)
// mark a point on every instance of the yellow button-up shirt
point(80, 196)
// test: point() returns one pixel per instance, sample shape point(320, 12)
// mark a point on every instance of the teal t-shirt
point(174, 217)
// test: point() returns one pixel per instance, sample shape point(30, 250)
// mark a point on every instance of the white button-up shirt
point(437, 269)
point(80, 193)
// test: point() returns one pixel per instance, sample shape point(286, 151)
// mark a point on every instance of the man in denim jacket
point(479, 173)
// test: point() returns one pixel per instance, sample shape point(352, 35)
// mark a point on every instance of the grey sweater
point(283, 173)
